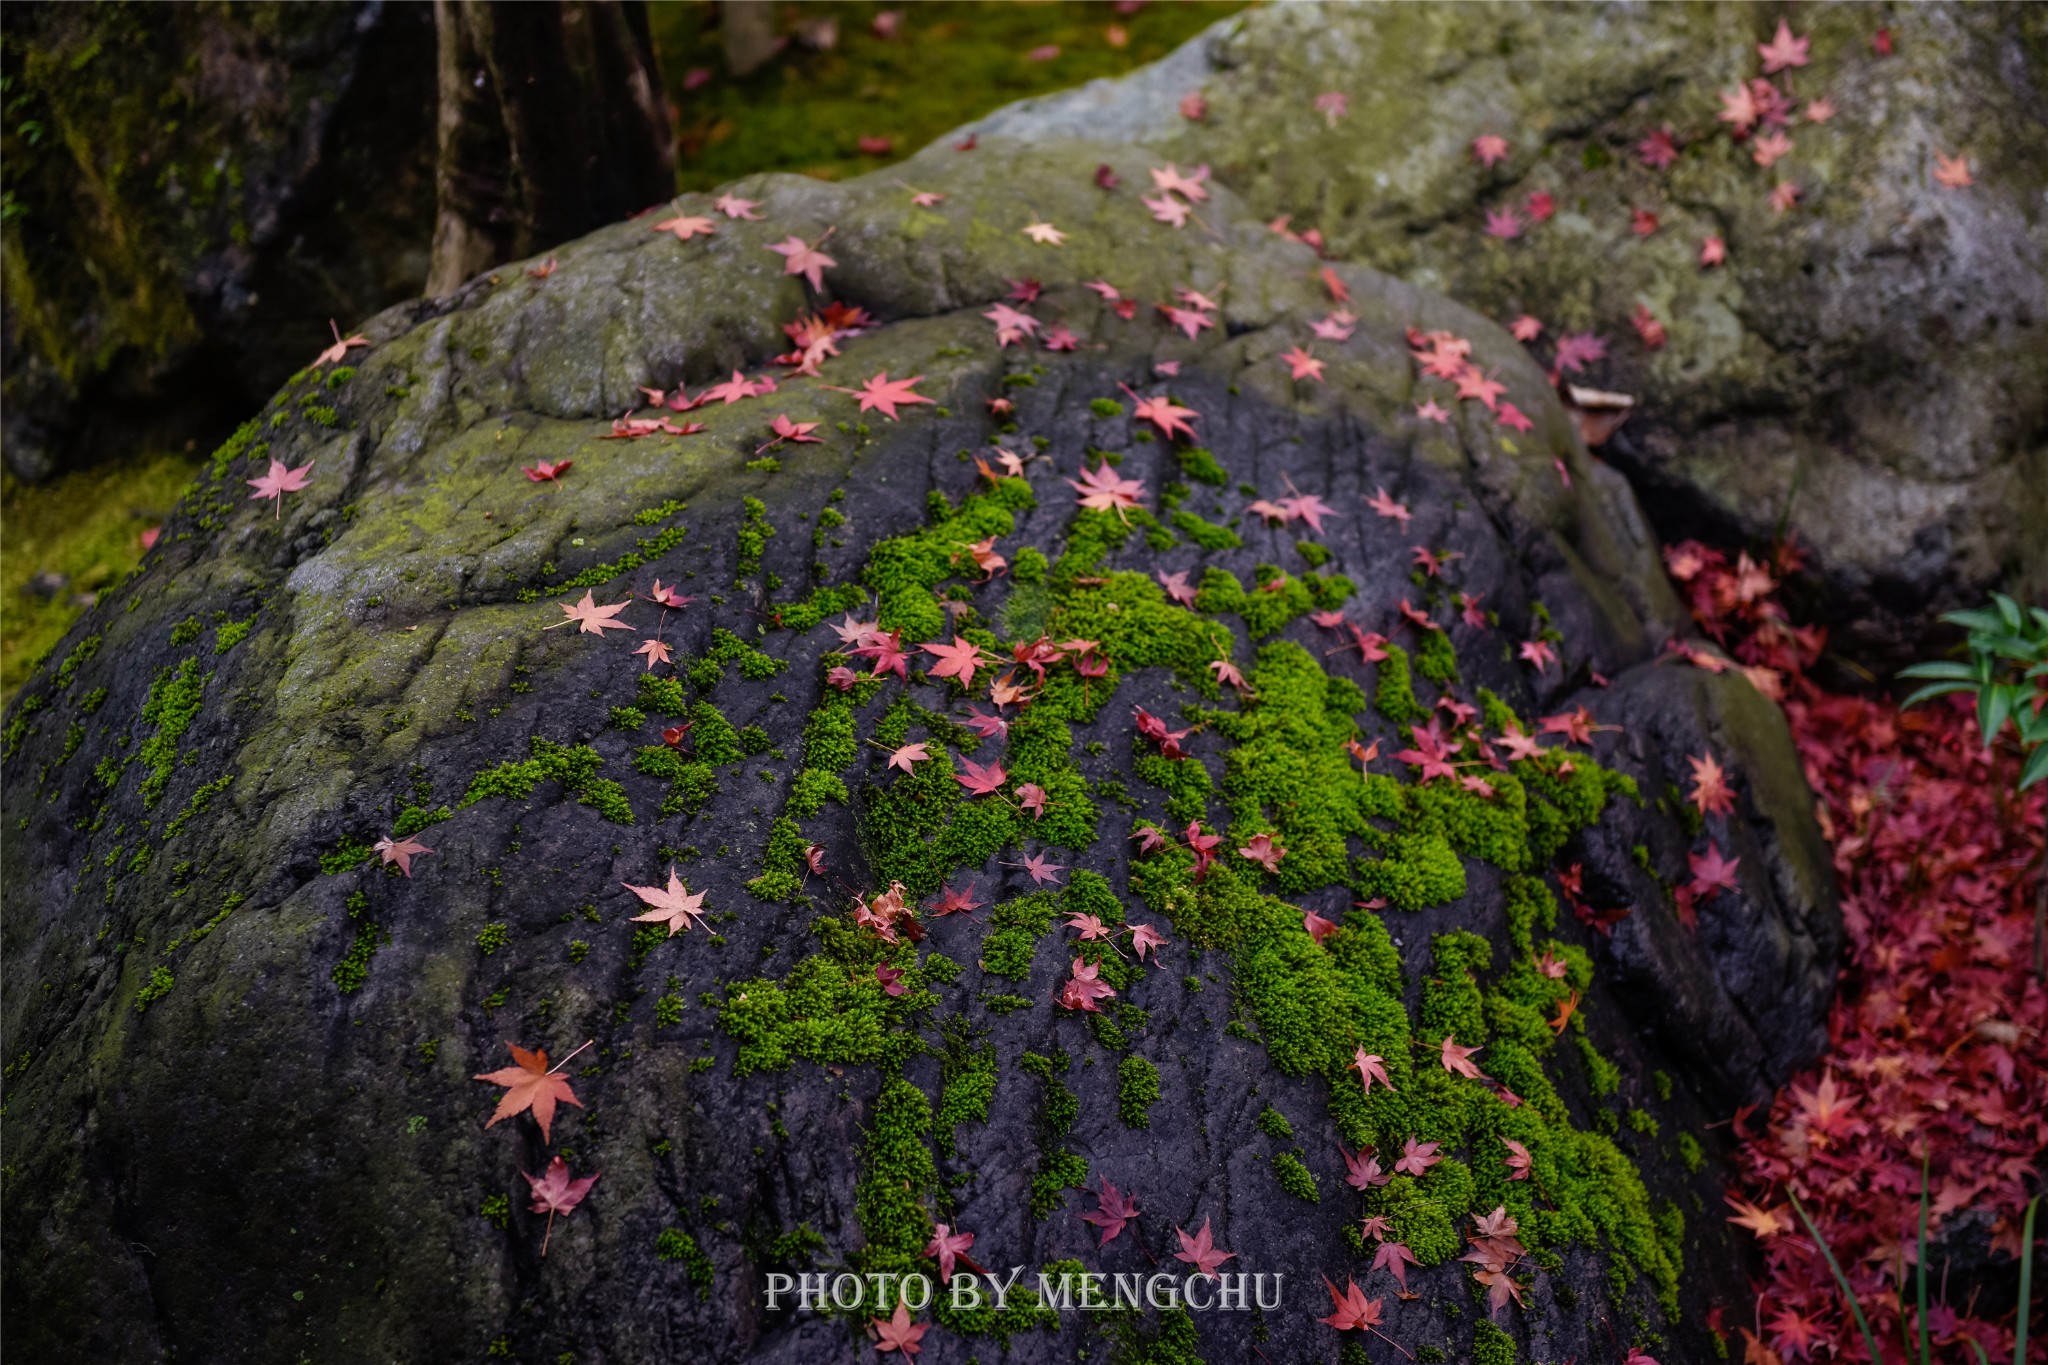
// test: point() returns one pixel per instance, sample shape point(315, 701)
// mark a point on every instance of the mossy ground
point(807, 110)
point(85, 528)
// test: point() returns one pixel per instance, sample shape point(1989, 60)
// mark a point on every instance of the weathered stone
point(1869, 371)
point(193, 190)
point(242, 1122)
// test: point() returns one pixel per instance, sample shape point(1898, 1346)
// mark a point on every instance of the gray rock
point(1869, 371)
point(242, 1122)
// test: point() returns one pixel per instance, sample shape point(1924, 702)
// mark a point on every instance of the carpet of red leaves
point(1938, 1039)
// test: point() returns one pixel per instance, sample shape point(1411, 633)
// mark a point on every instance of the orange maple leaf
point(532, 1084)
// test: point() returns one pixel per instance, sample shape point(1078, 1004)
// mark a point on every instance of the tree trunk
point(552, 122)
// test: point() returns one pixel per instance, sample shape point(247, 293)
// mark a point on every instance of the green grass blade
point(2019, 1350)
point(1848, 1294)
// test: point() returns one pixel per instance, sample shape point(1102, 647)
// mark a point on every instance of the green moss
point(690, 782)
point(185, 632)
point(969, 1085)
point(821, 604)
point(172, 705)
point(156, 988)
point(1316, 555)
point(663, 695)
point(1206, 534)
point(413, 819)
point(676, 1245)
point(1394, 692)
point(1275, 600)
point(1199, 463)
point(1062, 1106)
point(830, 1008)
point(627, 718)
point(79, 655)
point(897, 1178)
point(1435, 659)
point(1602, 1075)
point(1691, 1153)
point(200, 799)
point(1530, 909)
point(1137, 1089)
point(1061, 1170)
point(574, 766)
point(783, 865)
point(646, 551)
point(1296, 1178)
point(492, 937)
point(1274, 1124)
point(903, 570)
point(712, 736)
point(1491, 1346)
point(346, 856)
point(230, 634)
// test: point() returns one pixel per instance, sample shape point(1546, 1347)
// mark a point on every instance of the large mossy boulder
point(242, 1119)
point(1868, 369)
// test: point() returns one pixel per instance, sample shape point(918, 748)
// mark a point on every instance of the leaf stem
point(564, 1062)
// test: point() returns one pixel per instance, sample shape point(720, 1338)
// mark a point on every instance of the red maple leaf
point(1387, 507)
point(1458, 1060)
point(554, 1192)
point(1176, 585)
point(1362, 1170)
point(1043, 869)
point(1710, 789)
point(1711, 873)
point(532, 1084)
point(401, 852)
point(882, 394)
point(786, 430)
point(591, 619)
point(1370, 1067)
point(1145, 937)
point(1302, 365)
point(1113, 1209)
point(1164, 413)
point(1396, 1257)
point(1263, 851)
point(910, 755)
point(1489, 148)
point(801, 258)
point(1659, 150)
point(278, 482)
point(979, 780)
point(1518, 1159)
point(674, 905)
point(339, 350)
point(1783, 50)
point(1577, 350)
point(1417, 1157)
point(1102, 489)
point(947, 1246)
point(898, 1332)
point(1352, 1309)
point(685, 226)
point(1200, 1252)
point(543, 472)
point(957, 660)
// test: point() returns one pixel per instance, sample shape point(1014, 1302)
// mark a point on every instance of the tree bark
point(552, 122)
